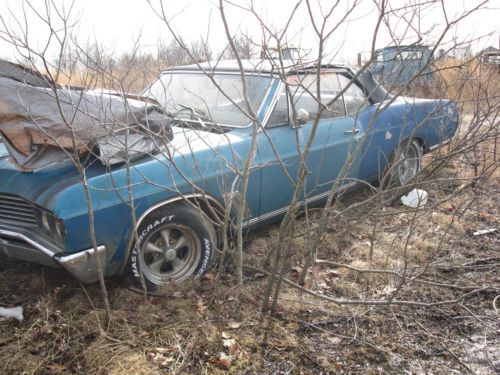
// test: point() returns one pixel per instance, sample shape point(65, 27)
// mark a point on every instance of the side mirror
point(302, 116)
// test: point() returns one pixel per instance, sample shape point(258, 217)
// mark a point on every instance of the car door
point(278, 155)
point(335, 139)
point(280, 145)
point(366, 158)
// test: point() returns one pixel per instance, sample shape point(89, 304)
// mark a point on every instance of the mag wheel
point(175, 244)
point(406, 162)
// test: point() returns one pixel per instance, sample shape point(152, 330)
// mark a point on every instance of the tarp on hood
point(43, 123)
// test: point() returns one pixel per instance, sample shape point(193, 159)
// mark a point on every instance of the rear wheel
point(175, 244)
point(405, 163)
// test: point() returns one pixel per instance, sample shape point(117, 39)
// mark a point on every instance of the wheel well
point(212, 209)
point(420, 141)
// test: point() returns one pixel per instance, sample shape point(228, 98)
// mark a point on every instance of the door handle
point(353, 131)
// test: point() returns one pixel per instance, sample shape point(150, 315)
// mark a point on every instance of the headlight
point(51, 225)
point(60, 229)
point(44, 218)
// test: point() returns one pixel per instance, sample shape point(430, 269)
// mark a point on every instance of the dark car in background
point(401, 65)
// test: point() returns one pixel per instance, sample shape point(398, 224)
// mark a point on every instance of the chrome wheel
point(171, 254)
point(408, 162)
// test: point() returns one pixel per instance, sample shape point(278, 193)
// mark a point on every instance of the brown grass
point(466, 81)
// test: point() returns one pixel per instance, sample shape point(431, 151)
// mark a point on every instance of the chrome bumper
point(82, 265)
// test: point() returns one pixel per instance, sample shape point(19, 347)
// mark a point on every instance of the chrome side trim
point(432, 148)
point(214, 200)
point(83, 264)
point(282, 210)
point(272, 104)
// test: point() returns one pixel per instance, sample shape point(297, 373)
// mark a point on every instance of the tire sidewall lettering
point(143, 233)
point(207, 253)
point(134, 258)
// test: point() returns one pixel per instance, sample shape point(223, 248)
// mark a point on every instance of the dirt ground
point(196, 329)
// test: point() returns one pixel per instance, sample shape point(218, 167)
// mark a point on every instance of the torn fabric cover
point(43, 123)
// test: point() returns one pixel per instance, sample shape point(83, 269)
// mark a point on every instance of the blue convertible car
point(180, 191)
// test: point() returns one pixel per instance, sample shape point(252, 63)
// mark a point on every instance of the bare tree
point(244, 46)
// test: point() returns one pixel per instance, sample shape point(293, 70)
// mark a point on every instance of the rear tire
point(404, 164)
point(176, 243)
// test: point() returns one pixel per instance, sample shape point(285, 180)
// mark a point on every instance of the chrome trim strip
point(22, 237)
point(308, 200)
point(270, 107)
point(75, 256)
point(214, 70)
point(214, 200)
point(432, 148)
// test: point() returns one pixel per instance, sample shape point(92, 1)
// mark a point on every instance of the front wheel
point(405, 163)
point(175, 244)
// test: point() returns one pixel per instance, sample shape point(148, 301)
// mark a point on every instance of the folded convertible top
point(43, 123)
point(24, 74)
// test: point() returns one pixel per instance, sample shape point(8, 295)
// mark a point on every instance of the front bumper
point(24, 246)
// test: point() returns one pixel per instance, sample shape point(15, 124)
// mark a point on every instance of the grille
point(15, 211)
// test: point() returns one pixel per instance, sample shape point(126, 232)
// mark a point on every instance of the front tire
point(176, 243)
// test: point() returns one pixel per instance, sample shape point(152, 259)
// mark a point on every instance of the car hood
point(43, 185)
point(187, 141)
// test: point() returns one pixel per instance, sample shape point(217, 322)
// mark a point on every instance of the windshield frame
point(261, 112)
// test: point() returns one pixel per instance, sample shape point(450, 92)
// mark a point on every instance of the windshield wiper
point(193, 110)
point(197, 115)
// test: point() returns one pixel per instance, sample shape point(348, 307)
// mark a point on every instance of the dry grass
point(131, 79)
point(466, 81)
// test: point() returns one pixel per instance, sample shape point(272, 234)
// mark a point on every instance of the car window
point(304, 93)
point(280, 113)
point(218, 98)
point(354, 97)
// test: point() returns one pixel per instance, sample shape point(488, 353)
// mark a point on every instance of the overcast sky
point(117, 24)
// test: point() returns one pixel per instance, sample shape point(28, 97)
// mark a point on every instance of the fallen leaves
point(286, 343)
point(233, 324)
point(333, 273)
point(201, 307)
point(162, 357)
point(230, 345)
point(232, 351)
point(223, 361)
point(208, 276)
point(56, 368)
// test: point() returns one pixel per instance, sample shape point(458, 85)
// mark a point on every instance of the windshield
point(216, 99)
